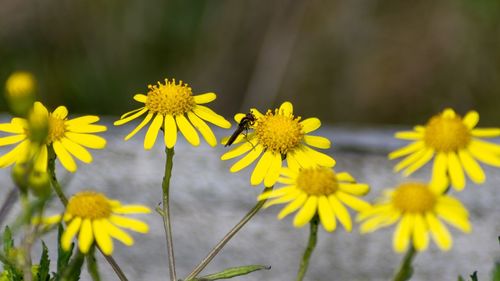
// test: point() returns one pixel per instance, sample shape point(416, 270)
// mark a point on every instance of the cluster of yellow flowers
point(272, 139)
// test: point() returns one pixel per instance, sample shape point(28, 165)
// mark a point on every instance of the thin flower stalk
point(166, 212)
point(313, 237)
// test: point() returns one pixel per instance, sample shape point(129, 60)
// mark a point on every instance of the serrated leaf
point(233, 272)
point(44, 266)
point(474, 276)
point(73, 271)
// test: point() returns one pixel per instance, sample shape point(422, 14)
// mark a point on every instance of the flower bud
point(20, 90)
point(38, 126)
point(39, 183)
point(19, 176)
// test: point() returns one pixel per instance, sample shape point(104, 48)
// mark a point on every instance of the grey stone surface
point(207, 200)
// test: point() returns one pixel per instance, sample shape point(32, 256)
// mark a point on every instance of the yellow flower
point(67, 137)
point(418, 208)
point(94, 217)
point(455, 143)
point(318, 190)
point(278, 135)
point(20, 90)
point(171, 106)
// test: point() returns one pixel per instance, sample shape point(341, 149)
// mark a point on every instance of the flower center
point(89, 205)
point(278, 132)
point(57, 129)
point(317, 181)
point(170, 98)
point(446, 133)
point(414, 198)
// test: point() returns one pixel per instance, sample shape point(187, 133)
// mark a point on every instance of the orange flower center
point(445, 133)
point(278, 132)
point(170, 98)
point(57, 129)
point(317, 181)
point(89, 205)
point(414, 198)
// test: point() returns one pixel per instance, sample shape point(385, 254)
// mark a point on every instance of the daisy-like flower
point(68, 138)
point(278, 135)
point(418, 209)
point(455, 145)
point(318, 190)
point(94, 217)
point(172, 106)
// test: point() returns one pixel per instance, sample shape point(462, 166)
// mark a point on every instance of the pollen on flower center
point(446, 133)
point(89, 205)
point(57, 129)
point(413, 198)
point(317, 181)
point(170, 98)
point(278, 132)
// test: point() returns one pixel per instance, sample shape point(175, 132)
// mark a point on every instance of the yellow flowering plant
point(285, 151)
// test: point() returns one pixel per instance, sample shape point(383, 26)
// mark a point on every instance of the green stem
point(313, 237)
point(64, 200)
point(405, 270)
point(165, 185)
point(226, 238)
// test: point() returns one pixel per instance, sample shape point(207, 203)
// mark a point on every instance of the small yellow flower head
point(94, 217)
point(455, 145)
point(68, 137)
point(318, 190)
point(172, 106)
point(418, 209)
point(20, 92)
point(278, 135)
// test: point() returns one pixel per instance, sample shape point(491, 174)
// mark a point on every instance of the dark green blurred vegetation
point(368, 61)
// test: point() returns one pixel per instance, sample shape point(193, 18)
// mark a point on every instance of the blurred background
point(354, 62)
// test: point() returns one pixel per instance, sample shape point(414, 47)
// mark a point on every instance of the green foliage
point(44, 266)
point(495, 275)
point(10, 272)
point(63, 256)
point(92, 265)
point(232, 272)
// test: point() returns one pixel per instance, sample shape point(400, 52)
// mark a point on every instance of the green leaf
point(8, 246)
point(474, 276)
point(8, 242)
point(44, 267)
point(233, 272)
point(460, 278)
point(62, 255)
point(72, 272)
point(92, 265)
point(496, 272)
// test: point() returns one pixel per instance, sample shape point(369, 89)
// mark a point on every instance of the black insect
point(244, 125)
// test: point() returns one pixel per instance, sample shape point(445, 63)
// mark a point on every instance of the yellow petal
point(317, 141)
point(140, 98)
point(82, 120)
point(307, 212)
point(320, 158)
point(274, 170)
point(310, 124)
point(87, 140)
point(16, 153)
point(247, 159)
point(374, 223)
point(471, 118)
point(12, 139)
point(456, 172)
point(439, 180)
point(292, 161)
point(170, 136)
point(472, 168)
point(484, 155)
point(187, 130)
point(70, 233)
point(426, 157)
point(326, 214)
point(130, 117)
point(131, 112)
point(61, 112)
point(409, 135)
point(237, 151)
point(487, 147)
point(209, 115)
point(439, 232)
point(275, 193)
point(293, 206)
point(117, 233)
point(341, 212)
point(153, 131)
point(352, 201)
point(204, 98)
point(86, 237)
point(132, 224)
point(290, 196)
point(449, 113)
point(286, 108)
point(354, 188)
point(401, 237)
point(345, 177)
point(102, 237)
point(86, 128)
point(205, 131)
point(141, 125)
point(409, 149)
point(11, 128)
point(486, 133)
point(457, 219)
point(132, 209)
point(77, 150)
point(410, 159)
point(420, 233)
point(63, 155)
point(262, 168)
